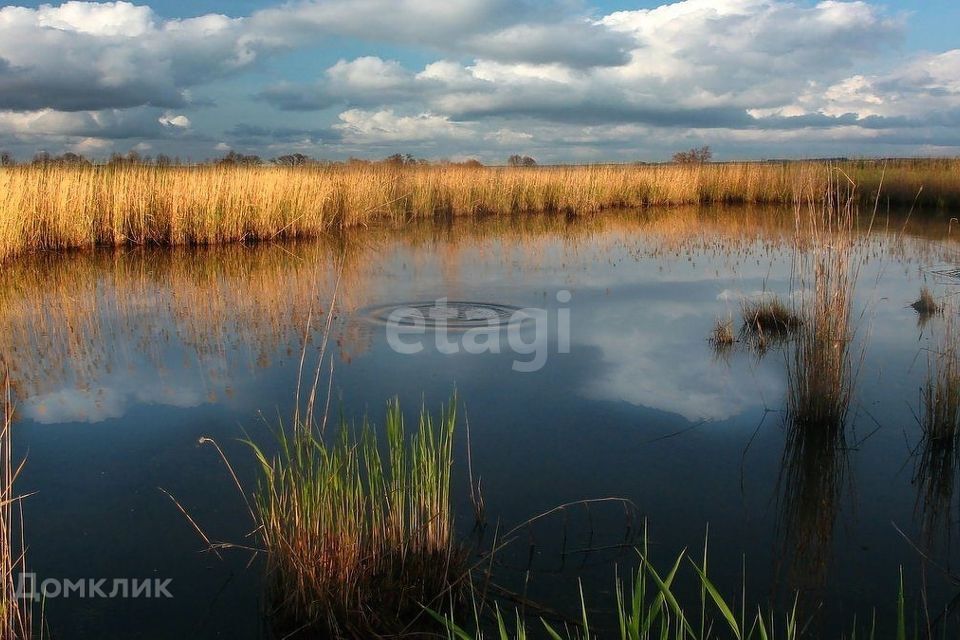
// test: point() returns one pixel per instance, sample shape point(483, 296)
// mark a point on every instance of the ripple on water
point(455, 314)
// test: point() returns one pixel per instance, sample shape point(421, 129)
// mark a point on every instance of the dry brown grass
point(820, 367)
point(768, 317)
point(926, 304)
point(821, 375)
point(57, 207)
point(722, 334)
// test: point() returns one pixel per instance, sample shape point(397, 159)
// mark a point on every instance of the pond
point(122, 360)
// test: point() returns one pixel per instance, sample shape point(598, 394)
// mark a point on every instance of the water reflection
point(121, 360)
point(815, 472)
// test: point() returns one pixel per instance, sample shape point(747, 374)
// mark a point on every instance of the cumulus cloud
point(83, 56)
point(109, 123)
point(359, 126)
point(923, 91)
point(547, 76)
point(172, 120)
point(508, 30)
point(692, 63)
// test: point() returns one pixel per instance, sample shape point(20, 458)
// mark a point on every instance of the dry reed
point(820, 368)
point(722, 335)
point(820, 382)
point(58, 207)
point(15, 615)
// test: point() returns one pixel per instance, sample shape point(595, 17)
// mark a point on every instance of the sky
point(563, 81)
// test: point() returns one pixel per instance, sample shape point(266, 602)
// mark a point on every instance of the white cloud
point(172, 120)
point(692, 63)
point(368, 74)
point(141, 122)
point(88, 56)
point(508, 30)
point(359, 126)
point(739, 74)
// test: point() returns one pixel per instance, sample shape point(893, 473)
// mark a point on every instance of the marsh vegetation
point(63, 206)
point(358, 530)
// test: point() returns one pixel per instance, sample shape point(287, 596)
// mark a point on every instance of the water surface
point(123, 360)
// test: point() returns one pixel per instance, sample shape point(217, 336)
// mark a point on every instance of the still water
point(123, 360)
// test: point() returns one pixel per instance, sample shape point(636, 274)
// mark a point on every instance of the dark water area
point(122, 361)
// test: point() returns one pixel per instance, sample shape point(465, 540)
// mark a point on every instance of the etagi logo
point(475, 328)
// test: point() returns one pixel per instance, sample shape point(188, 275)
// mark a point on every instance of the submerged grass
point(15, 615)
point(358, 532)
point(941, 392)
point(939, 452)
point(57, 207)
point(649, 607)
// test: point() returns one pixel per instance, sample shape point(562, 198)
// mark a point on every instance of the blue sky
point(562, 80)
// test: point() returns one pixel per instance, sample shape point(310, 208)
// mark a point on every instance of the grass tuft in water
point(767, 322)
point(819, 366)
point(723, 333)
point(926, 304)
point(359, 530)
point(722, 338)
point(768, 315)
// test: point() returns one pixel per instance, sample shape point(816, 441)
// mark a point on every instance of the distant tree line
point(234, 158)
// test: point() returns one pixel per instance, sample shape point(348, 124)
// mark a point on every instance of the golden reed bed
point(57, 207)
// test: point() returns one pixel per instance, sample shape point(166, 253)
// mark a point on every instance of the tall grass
point(358, 531)
point(57, 207)
point(820, 367)
point(15, 615)
point(820, 381)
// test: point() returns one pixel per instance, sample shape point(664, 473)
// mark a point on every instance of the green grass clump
point(358, 531)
